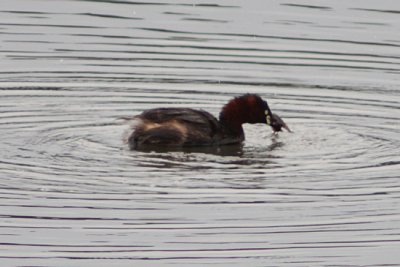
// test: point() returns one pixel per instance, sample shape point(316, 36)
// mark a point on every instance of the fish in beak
point(277, 124)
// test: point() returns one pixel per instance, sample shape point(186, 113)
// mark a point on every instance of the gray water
point(72, 194)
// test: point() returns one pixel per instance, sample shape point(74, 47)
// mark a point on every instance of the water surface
point(74, 195)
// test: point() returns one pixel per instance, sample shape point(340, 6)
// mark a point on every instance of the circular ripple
point(328, 194)
point(66, 165)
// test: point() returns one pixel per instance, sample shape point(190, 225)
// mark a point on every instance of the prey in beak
point(277, 124)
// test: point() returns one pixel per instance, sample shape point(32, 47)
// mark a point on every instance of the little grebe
point(183, 127)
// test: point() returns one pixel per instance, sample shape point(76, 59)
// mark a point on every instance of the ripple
point(328, 142)
point(327, 194)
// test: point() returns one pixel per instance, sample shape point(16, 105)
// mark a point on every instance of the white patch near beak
point(267, 117)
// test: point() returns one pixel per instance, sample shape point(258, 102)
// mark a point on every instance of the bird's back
point(174, 127)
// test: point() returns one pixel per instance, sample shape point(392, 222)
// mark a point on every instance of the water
point(73, 195)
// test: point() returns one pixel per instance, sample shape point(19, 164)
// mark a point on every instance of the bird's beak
point(287, 128)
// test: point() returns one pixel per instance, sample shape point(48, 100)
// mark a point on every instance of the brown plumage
point(185, 127)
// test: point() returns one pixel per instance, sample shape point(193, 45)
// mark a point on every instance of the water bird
point(187, 127)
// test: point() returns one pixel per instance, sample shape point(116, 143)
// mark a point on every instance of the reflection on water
point(74, 195)
point(228, 150)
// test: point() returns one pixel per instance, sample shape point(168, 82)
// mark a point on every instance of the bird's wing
point(200, 119)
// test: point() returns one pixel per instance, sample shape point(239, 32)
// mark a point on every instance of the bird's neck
point(232, 116)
